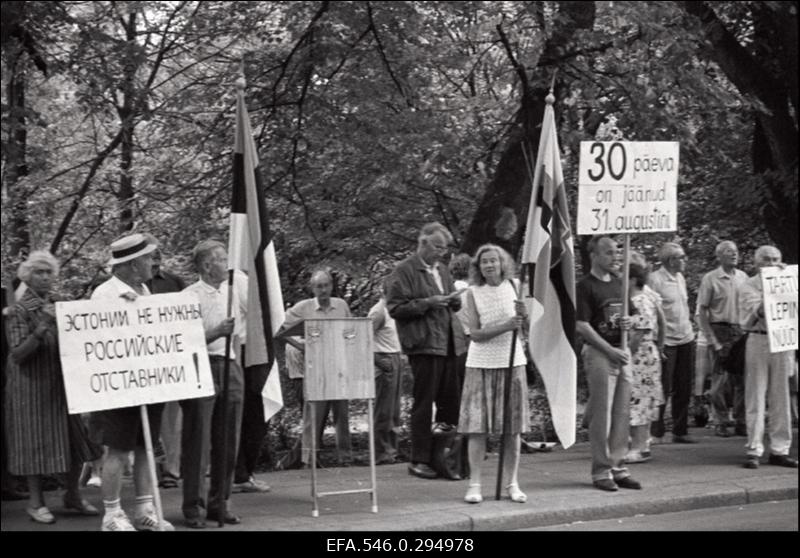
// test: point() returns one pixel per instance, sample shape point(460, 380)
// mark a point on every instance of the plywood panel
point(339, 359)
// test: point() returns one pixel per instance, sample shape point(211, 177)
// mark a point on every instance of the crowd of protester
point(460, 329)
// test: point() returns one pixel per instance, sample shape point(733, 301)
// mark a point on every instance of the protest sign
point(120, 353)
point(780, 307)
point(628, 187)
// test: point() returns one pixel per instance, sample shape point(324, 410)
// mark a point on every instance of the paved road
point(766, 516)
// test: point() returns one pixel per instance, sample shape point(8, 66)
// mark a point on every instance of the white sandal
point(516, 494)
point(474, 495)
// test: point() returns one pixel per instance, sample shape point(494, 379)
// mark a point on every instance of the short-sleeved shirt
point(751, 295)
point(310, 308)
point(214, 309)
point(115, 288)
point(718, 292)
point(303, 310)
point(675, 303)
point(600, 304)
point(385, 338)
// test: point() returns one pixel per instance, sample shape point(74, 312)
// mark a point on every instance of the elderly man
point(203, 427)
point(766, 374)
point(718, 318)
point(599, 322)
point(422, 300)
point(676, 370)
point(131, 267)
point(322, 305)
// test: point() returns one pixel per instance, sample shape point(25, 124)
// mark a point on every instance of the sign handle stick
point(223, 473)
point(151, 464)
point(626, 261)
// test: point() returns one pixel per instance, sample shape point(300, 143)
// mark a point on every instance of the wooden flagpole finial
point(550, 99)
point(241, 83)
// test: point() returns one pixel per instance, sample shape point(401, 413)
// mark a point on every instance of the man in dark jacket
point(422, 300)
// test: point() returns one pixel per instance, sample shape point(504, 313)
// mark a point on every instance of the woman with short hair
point(43, 438)
point(493, 313)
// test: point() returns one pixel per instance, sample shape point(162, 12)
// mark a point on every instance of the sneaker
point(95, 481)
point(116, 521)
point(251, 485)
point(148, 521)
point(637, 457)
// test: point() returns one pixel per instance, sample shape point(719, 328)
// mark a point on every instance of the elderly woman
point(493, 313)
point(42, 438)
point(647, 343)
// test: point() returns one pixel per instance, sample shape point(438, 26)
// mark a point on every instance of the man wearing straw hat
point(131, 267)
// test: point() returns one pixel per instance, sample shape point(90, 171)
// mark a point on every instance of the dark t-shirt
point(600, 304)
point(165, 282)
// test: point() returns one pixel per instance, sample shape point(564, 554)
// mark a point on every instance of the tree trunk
point(770, 77)
point(16, 164)
point(510, 189)
point(126, 193)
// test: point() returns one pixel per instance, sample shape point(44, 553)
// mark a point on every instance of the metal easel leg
point(313, 458)
point(371, 434)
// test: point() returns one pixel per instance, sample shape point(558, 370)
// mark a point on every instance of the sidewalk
point(680, 477)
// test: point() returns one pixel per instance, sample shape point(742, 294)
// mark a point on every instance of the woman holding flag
point(493, 313)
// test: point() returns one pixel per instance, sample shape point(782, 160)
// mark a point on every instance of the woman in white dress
point(493, 313)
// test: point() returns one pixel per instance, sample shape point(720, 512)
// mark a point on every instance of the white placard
point(628, 187)
point(780, 307)
point(118, 353)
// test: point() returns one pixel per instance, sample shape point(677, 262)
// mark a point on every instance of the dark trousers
point(254, 428)
point(435, 381)
point(677, 372)
point(388, 368)
point(201, 439)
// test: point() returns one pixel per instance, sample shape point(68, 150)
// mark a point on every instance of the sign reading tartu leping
point(780, 307)
point(628, 187)
point(120, 353)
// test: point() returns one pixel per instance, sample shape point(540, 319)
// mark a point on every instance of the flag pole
point(226, 380)
point(625, 286)
point(507, 395)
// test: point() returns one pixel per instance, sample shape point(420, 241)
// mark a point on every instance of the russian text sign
point(780, 307)
point(120, 353)
point(628, 187)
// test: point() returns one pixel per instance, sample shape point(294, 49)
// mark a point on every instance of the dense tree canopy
point(372, 118)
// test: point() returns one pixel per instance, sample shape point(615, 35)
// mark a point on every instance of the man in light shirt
point(131, 267)
point(388, 371)
point(718, 318)
point(322, 305)
point(767, 374)
point(203, 426)
point(677, 368)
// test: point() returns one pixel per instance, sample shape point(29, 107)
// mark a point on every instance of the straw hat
point(129, 248)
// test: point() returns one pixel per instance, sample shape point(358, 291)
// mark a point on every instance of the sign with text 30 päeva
point(628, 187)
point(780, 307)
point(120, 353)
